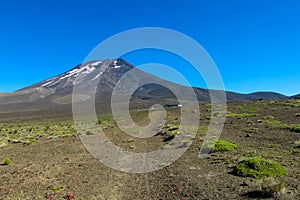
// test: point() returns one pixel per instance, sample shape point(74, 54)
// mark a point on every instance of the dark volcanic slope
point(296, 96)
point(267, 95)
point(57, 91)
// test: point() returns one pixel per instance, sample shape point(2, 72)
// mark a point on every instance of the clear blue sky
point(255, 43)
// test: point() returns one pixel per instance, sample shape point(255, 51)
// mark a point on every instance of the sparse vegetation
point(251, 130)
point(272, 123)
point(257, 167)
point(29, 133)
point(240, 115)
point(290, 103)
point(7, 161)
point(272, 188)
point(251, 110)
point(61, 166)
point(170, 136)
point(223, 145)
point(295, 128)
point(297, 143)
point(55, 189)
point(220, 145)
point(170, 132)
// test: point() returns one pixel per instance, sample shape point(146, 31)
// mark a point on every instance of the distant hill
point(267, 95)
point(295, 96)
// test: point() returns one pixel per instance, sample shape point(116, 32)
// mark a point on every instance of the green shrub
point(223, 145)
point(7, 161)
point(297, 114)
point(295, 128)
point(297, 143)
point(170, 136)
point(220, 145)
point(257, 167)
point(55, 189)
point(251, 110)
point(170, 127)
point(268, 117)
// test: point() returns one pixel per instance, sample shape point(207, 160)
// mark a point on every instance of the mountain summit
point(116, 68)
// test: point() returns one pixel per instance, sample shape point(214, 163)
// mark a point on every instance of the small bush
point(170, 127)
point(259, 168)
point(170, 136)
point(272, 189)
point(269, 188)
point(7, 161)
point(251, 110)
point(297, 114)
point(220, 145)
point(55, 189)
point(223, 145)
point(296, 128)
point(297, 143)
point(268, 117)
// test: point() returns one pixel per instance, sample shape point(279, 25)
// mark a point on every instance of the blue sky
point(255, 43)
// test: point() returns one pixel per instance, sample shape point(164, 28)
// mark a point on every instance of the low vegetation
point(297, 143)
point(60, 167)
point(240, 115)
point(7, 161)
point(170, 132)
point(220, 145)
point(257, 167)
point(289, 103)
point(271, 122)
point(55, 189)
point(270, 188)
point(29, 133)
point(295, 128)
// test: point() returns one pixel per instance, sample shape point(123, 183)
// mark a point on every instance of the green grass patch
point(7, 161)
point(251, 110)
point(297, 143)
point(272, 123)
point(28, 132)
point(171, 127)
point(240, 115)
point(220, 145)
point(202, 129)
point(170, 132)
point(55, 189)
point(169, 118)
point(223, 145)
point(257, 167)
point(268, 117)
point(295, 128)
point(170, 136)
point(3, 142)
